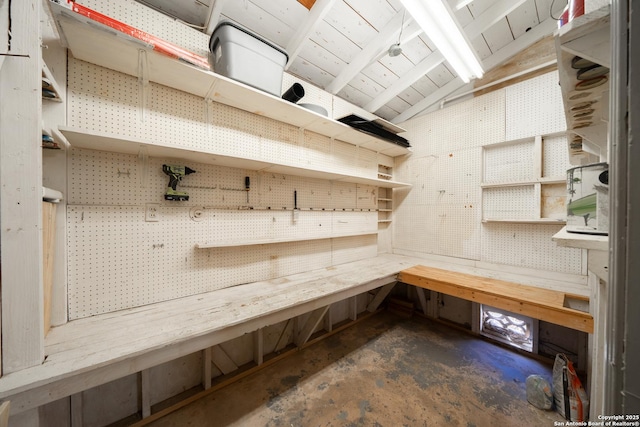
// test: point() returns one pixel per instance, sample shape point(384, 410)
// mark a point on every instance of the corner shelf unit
point(120, 144)
point(98, 44)
point(385, 195)
point(587, 110)
point(514, 188)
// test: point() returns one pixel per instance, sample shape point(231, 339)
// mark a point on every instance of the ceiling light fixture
point(436, 20)
point(395, 49)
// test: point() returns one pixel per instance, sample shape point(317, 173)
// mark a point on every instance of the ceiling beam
point(409, 78)
point(546, 27)
point(315, 15)
point(474, 29)
point(380, 43)
point(431, 99)
point(491, 16)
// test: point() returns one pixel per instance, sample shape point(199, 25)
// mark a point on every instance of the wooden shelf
point(543, 181)
point(583, 241)
point(546, 221)
point(587, 37)
point(98, 44)
point(116, 143)
point(274, 241)
point(381, 199)
point(384, 221)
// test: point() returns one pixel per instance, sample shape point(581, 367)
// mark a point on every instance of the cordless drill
point(175, 175)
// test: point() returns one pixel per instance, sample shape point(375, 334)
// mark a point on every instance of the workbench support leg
point(353, 308)
point(284, 336)
point(423, 299)
point(258, 347)
point(206, 368)
point(145, 390)
point(310, 325)
point(222, 360)
point(76, 410)
point(328, 321)
point(380, 296)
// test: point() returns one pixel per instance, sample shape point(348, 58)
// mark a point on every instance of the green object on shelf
point(583, 206)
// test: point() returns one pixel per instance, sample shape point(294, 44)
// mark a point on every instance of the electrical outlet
point(152, 212)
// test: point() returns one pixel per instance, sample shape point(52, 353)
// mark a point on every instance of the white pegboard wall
point(471, 123)
point(529, 246)
point(109, 102)
point(148, 20)
point(509, 162)
point(534, 107)
point(555, 156)
point(117, 260)
point(509, 203)
point(312, 94)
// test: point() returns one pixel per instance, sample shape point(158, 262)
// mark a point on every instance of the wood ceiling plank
point(371, 50)
point(254, 18)
point(348, 22)
point(498, 36)
point(523, 18)
point(421, 69)
point(440, 75)
point(376, 12)
point(308, 26)
point(334, 41)
point(428, 101)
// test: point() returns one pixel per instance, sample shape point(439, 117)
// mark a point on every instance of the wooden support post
point(353, 308)
point(21, 192)
point(145, 391)
point(76, 410)
point(328, 321)
point(423, 300)
point(475, 318)
point(380, 296)
point(222, 360)
point(284, 336)
point(206, 368)
point(258, 346)
point(310, 325)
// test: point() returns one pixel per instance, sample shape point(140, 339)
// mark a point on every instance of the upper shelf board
point(588, 36)
point(99, 44)
point(118, 144)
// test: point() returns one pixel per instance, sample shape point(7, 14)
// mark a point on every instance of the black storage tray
point(372, 128)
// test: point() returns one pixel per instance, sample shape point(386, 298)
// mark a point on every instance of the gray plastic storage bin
point(243, 56)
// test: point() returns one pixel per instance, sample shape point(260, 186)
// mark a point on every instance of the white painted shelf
point(583, 241)
point(98, 44)
point(273, 241)
point(119, 144)
point(545, 221)
point(543, 181)
point(588, 37)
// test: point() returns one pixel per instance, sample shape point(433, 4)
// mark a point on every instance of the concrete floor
point(384, 371)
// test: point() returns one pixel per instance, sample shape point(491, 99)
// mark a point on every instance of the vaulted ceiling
point(342, 45)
